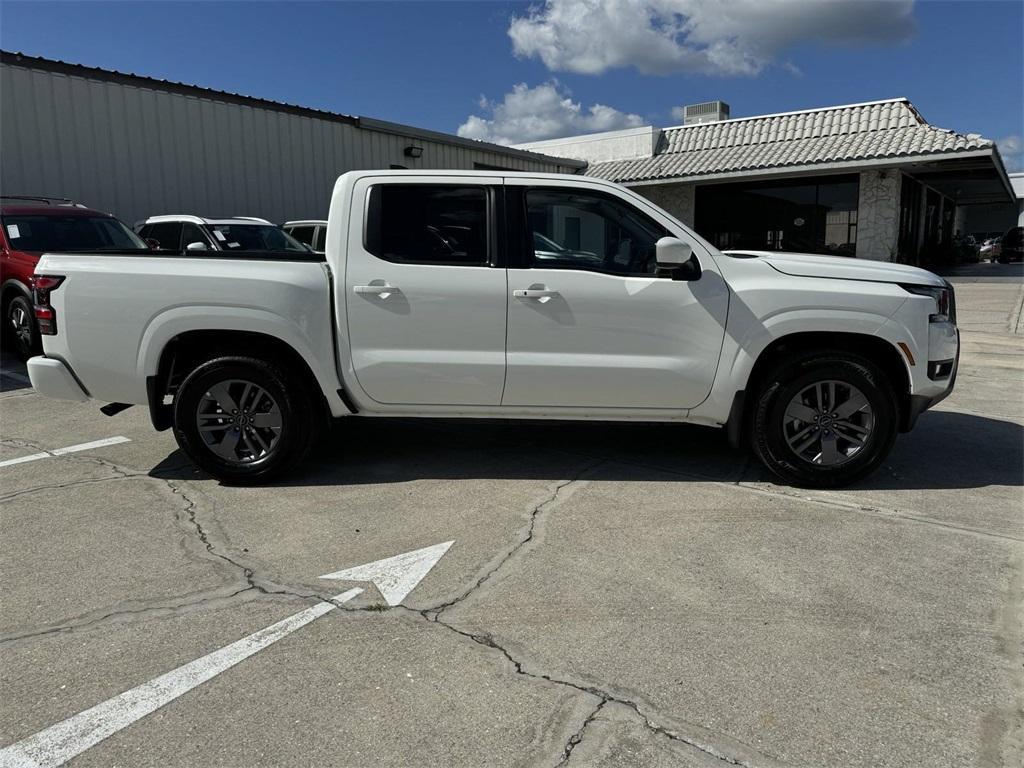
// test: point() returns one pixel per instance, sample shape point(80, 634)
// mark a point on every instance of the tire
point(20, 328)
point(794, 427)
point(245, 420)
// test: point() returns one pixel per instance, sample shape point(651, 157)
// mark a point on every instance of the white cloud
point(1011, 149)
point(741, 37)
point(544, 112)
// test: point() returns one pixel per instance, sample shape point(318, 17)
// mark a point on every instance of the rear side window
point(320, 241)
point(427, 224)
point(303, 234)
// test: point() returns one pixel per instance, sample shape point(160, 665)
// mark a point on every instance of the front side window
point(578, 229)
point(427, 224)
point(192, 234)
point(46, 232)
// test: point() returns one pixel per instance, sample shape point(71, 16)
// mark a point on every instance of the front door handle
point(534, 293)
point(375, 290)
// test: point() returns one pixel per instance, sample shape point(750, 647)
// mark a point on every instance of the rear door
point(425, 293)
point(591, 321)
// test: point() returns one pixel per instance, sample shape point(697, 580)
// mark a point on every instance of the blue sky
point(431, 64)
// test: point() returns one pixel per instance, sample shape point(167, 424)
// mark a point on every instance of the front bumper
point(918, 404)
point(53, 378)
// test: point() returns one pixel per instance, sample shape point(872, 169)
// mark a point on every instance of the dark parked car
point(1012, 246)
point(33, 225)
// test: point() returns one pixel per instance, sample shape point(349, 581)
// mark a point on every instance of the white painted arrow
point(395, 577)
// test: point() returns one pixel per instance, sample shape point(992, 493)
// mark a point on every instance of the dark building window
point(815, 215)
point(910, 219)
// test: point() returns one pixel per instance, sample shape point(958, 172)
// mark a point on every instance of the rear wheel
point(244, 420)
point(21, 327)
point(824, 420)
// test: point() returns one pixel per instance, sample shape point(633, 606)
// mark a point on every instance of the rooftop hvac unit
point(708, 112)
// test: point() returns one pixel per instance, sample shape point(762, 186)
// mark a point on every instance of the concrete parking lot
point(616, 595)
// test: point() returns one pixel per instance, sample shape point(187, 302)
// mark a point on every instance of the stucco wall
point(677, 199)
point(878, 215)
point(627, 144)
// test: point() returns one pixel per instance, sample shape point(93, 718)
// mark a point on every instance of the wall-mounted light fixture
point(413, 151)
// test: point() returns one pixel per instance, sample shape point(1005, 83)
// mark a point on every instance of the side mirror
point(196, 247)
point(152, 243)
point(677, 257)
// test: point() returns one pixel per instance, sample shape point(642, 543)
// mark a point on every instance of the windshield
point(53, 232)
point(255, 237)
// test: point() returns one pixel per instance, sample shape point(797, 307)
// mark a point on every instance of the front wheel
point(244, 420)
point(824, 421)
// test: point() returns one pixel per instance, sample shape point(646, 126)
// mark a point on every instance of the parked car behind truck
point(816, 362)
point(185, 232)
point(33, 225)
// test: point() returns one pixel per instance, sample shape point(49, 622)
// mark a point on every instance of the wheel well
point(11, 290)
point(877, 350)
point(185, 352)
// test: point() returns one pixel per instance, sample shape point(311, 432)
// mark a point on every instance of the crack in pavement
point(158, 608)
point(577, 737)
point(531, 529)
point(433, 615)
point(254, 582)
point(690, 740)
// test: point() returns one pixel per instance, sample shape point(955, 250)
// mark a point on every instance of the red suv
point(33, 225)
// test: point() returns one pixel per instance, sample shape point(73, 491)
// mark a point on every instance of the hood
point(841, 267)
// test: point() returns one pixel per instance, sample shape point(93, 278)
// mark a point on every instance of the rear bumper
point(53, 378)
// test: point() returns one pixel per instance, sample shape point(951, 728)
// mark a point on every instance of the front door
point(425, 306)
point(591, 322)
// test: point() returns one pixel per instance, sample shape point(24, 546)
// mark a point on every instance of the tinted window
point(254, 237)
point(573, 229)
point(46, 232)
point(192, 234)
point(167, 234)
point(320, 241)
point(428, 224)
point(303, 234)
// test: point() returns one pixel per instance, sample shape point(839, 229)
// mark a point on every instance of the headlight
point(945, 308)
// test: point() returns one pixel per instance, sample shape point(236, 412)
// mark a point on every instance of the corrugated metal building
point(136, 146)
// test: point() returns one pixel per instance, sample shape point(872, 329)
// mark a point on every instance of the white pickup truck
point(510, 295)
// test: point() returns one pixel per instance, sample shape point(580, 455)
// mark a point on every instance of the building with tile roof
point(874, 180)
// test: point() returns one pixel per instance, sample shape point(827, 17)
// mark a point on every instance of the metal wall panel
point(135, 149)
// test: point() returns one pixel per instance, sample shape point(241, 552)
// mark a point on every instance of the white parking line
point(61, 742)
point(69, 449)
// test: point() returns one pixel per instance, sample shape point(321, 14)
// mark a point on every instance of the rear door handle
point(534, 293)
point(375, 290)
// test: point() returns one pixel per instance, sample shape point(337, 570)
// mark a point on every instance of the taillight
point(46, 316)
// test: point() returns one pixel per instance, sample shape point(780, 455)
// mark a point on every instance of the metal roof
point(891, 129)
point(129, 78)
